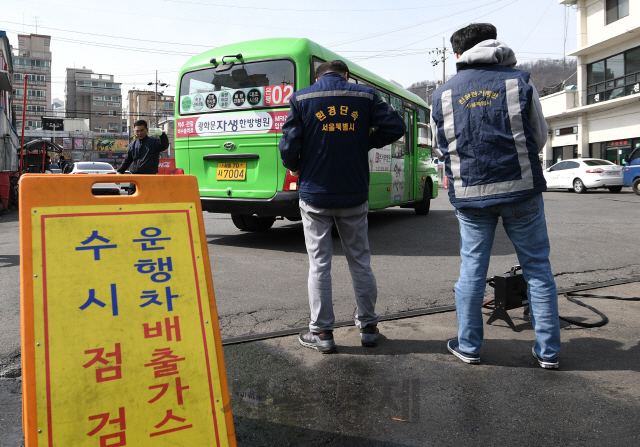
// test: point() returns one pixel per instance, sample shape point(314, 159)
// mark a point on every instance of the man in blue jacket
point(488, 128)
point(326, 139)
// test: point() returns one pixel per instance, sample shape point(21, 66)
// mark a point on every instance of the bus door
point(409, 156)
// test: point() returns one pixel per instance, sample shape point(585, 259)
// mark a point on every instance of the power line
point(411, 26)
point(311, 10)
point(444, 31)
point(115, 37)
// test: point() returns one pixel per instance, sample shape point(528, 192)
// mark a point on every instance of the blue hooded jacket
point(326, 139)
point(488, 128)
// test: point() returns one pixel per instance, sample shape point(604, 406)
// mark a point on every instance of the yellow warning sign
point(124, 346)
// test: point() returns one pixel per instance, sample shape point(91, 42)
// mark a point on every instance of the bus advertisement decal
point(231, 123)
point(204, 100)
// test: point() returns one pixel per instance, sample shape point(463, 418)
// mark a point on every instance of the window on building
point(97, 98)
point(36, 93)
point(98, 103)
point(113, 126)
point(614, 77)
point(168, 106)
point(17, 108)
point(113, 104)
point(616, 9)
point(18, 92)
point(35, 124)
point(112, 113)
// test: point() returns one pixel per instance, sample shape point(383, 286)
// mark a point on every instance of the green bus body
point(232, 116)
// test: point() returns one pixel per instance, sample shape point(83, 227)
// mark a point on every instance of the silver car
point(96, 167)
point(581, 174)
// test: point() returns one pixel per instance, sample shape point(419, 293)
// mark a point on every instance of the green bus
point(233, 101)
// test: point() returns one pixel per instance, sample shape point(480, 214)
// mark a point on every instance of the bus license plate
point(231, 170)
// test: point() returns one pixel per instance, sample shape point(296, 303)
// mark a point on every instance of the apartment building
point(8, 135)
point(148, 106)
point(601, 117)
point(95, 96)
point(33, 58)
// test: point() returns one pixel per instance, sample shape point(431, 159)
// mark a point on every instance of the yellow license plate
point(231, 170)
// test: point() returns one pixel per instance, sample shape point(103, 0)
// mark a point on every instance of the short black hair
point(468, 37)
point(140, 123)
point(336, 66)
point(62, 157)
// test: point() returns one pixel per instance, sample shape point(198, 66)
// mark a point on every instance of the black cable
point(604, 319)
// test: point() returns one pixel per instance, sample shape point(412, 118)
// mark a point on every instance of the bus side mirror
point(626, 158)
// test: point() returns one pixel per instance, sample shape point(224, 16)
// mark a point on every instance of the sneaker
point(320, 341)
point(546, 364)
point(452, 346)
point(369, 335)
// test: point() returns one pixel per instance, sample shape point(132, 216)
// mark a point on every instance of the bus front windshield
point(252, 85)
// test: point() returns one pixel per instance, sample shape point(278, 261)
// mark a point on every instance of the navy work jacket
point(143, 155)
point(326, 139)
point(486, 128)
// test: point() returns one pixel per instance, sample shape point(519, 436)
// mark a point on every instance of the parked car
point(96, 167)
point(125, 185)
point(631, 172)
point(581, 174)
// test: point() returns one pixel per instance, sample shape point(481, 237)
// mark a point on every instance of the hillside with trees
point(546, 74)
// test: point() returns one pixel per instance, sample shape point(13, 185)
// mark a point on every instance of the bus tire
point(255, 223)
point(425, 204)
point(636, 186)
point(614, 188)
point(238, 221)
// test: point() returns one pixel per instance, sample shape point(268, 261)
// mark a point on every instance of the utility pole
point(162, 84)
point(441, 56)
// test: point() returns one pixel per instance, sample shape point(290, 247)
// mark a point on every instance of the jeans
point(525, 224)
point(352, 226)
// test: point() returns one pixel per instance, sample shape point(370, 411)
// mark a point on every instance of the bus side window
point(315, 63)
point(383, 96)
point(396, 103)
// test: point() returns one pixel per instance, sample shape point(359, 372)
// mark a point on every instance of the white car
point(96, 167)
point(581, 174)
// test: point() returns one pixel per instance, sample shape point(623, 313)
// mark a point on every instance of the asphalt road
point(260, 278)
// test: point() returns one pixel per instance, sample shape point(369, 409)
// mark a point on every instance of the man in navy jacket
point(488, 128)
point(143, 155)
point(326, 138)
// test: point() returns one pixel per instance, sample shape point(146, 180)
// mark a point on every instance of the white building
point(601, 118)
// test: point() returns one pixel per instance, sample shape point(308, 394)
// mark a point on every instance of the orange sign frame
point(47, 198)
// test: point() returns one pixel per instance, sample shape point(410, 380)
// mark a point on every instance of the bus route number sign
point(231, 170)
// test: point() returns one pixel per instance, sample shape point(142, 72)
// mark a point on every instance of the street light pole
point(162, 84)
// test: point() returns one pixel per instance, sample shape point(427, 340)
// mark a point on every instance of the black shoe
point(369, 335)
point(452, 346)
point(320, 341)
point(546, 364)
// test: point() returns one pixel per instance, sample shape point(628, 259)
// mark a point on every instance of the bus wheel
point(423, 207)
point(614, 188)
point(238, 221)
point(254, 223)
point(636, 186)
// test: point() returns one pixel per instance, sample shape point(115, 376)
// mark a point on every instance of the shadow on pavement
point(393, 232)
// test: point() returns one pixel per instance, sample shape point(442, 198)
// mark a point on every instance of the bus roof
point(298, 49)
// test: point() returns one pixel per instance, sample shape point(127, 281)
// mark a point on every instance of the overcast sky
point(132, 39)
